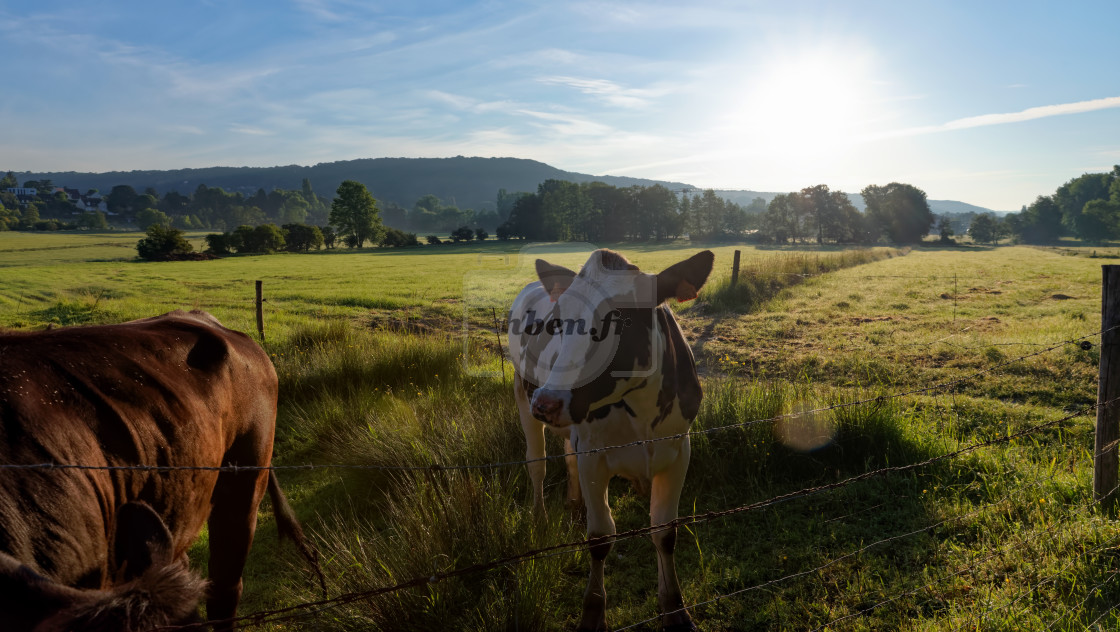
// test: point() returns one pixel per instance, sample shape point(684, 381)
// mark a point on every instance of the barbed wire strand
point(266, 616)
point(1034, 587)
point(640, 442)
point(1050, 530)
point(822, 567)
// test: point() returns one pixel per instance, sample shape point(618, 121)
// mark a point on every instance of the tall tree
point(984, 229)
point(901, 211)
point(354, 211)
point(1039, 223)
point(1072, 197)
point(658, 206)
point(780, 223)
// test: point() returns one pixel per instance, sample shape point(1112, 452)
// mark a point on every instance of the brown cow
point(174, 390)
point(151, 589)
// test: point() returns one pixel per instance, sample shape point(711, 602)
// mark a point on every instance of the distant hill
point(463, 182)
point(460, 181)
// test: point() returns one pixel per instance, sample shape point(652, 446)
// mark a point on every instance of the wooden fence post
point(735, 270)
point(1108, 390)
point(260, 310)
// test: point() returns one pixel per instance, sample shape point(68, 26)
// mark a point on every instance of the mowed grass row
point(1003, 537)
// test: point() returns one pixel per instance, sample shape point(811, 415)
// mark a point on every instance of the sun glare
point(810, 106)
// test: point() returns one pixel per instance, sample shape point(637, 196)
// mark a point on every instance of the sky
point(991, 103)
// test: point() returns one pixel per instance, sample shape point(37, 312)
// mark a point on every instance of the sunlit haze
point(989, 103)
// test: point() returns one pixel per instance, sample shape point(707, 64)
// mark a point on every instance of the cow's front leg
point(534, 445)
point(575, 493)
point(665, 497)
point(233, 521)
point(593, 478)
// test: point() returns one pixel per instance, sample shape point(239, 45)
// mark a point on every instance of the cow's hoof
point(595, 627)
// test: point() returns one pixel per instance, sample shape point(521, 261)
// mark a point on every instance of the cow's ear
point(555, 279)
point(683, 280)
point(140, 541)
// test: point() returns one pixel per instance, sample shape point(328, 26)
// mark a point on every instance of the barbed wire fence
point(311, 608)
point(308, 609)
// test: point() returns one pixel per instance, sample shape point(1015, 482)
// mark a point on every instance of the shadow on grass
point(814, 512)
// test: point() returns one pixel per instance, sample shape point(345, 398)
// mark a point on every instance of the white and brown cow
point(600, 359)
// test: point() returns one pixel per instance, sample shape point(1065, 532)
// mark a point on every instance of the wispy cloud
point(252, 131)
point(566, 125)
point(608, 91)
point(468, 104)
point(1029, 114)
point(319, 9)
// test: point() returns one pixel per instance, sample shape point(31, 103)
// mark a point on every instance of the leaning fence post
point(1108, 390)
point(735, 270)
point(260, 310)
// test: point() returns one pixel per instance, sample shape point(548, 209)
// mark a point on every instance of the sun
point(813, 103)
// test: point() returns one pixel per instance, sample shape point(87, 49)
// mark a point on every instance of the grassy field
point(840, 354)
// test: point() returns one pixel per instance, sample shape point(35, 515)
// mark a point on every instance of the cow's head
point(589, 338)
point(151, 588)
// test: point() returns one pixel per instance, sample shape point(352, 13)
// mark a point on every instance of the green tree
point(901, 211)
point(9, 181)
point(396, 238)
point(984, 229)
point(945, 230)
point(30, 217)
point(162, 244)
point(329, 236)
point(150, 217)
point(1101, 220)
point(354, 211)
point(121, 199)
point(44, 187)
point(174, 203)
point(268, 237)
point(301, 237)
point(657, 205)
point(1072, 197)
point(463, 233)
point(93, 220)
point(1039, 223)
point(9, 217)
point(789, 216)
point(218, 243)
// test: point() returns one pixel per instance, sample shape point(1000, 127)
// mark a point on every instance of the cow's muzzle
point(549, 405)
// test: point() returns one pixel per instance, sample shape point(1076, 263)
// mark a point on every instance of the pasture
point(898, 440)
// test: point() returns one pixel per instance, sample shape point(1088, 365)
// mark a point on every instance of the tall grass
point(1003, 538)
point(382, 400)
point(762, 280)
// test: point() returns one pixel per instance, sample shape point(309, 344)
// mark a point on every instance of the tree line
point(1086, 207)
point(566, 211)
point(559, 210)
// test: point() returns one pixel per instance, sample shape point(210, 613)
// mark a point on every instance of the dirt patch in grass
point(871, 319)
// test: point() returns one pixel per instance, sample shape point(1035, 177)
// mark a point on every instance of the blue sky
point(992, 103)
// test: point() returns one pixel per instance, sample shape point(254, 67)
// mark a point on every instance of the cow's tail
point(290, 528)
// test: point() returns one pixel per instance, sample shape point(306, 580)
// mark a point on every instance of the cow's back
point(175, 390)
